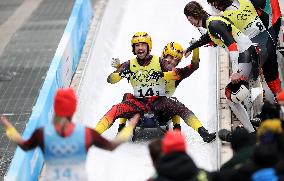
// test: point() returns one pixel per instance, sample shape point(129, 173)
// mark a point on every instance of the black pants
point(268, 56)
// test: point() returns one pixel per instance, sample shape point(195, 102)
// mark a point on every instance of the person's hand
point(134, 120)
point(11, 131)
point(186, 53)
point(235, 78)
point(115, 62)
point(5, 122)
point(127, 132)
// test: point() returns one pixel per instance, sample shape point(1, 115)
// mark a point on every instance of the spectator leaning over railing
point(242, 55)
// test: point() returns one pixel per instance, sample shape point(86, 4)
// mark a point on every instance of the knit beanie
point(173, 141)
point(240, 138)
point(65, 102)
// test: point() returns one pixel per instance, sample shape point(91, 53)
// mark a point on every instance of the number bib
point(142, 85)
point(156, 90)
point(65, 172)
point(64, 156)
point(254, 28)
point(245, 18)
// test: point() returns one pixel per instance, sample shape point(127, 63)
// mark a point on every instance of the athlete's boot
point(122, 122)
point(120, 127)
point(206, 136)
point(176, 122)
point(225, 135)
point(255, 122)
point(177, 127)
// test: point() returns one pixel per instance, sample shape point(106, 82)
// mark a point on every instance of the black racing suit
point(268, 51)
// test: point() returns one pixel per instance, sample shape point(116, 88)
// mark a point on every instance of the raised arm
point(182, 73)
point(124, 135)
point(221, 31)
point(13, 135)
point(118, 74)
point(203, 40)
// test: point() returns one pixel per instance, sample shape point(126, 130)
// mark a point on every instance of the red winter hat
point(280, 96)
point(173, 141)
point(65, 102)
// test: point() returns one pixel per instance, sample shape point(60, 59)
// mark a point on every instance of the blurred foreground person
point(175, 164)
point(155, 150)
point(242, 144)
point(64, 144)
point(268, 111)
point(266, 161)
point(268, 155)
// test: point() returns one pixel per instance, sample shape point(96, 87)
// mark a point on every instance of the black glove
point(188, 50)
point(156, 75)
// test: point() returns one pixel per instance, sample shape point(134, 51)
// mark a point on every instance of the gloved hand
point(126, 73)
point(115, 62)
point(156, 75)
point(13, 134)
point(187, 52)
point(126, 133)
point(11, 131)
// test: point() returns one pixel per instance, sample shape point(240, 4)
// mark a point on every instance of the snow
point(164, 21)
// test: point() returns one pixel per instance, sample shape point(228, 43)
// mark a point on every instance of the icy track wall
point(26, 166)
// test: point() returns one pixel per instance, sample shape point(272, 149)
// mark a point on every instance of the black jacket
point(177, 166)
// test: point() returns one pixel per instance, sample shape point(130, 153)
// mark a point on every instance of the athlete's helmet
point(174, 49)
point(141, 37)
point(237, 92)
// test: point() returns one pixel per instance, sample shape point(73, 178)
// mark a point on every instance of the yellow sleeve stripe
point(171, 75)
point(114, 78)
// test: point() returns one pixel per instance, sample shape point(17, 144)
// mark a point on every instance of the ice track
point(165, 22)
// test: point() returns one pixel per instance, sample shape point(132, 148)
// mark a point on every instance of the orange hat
point(65, 102)
point(280, 96)
point(173, 141)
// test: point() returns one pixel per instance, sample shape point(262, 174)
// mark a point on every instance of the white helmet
point(237, 92)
